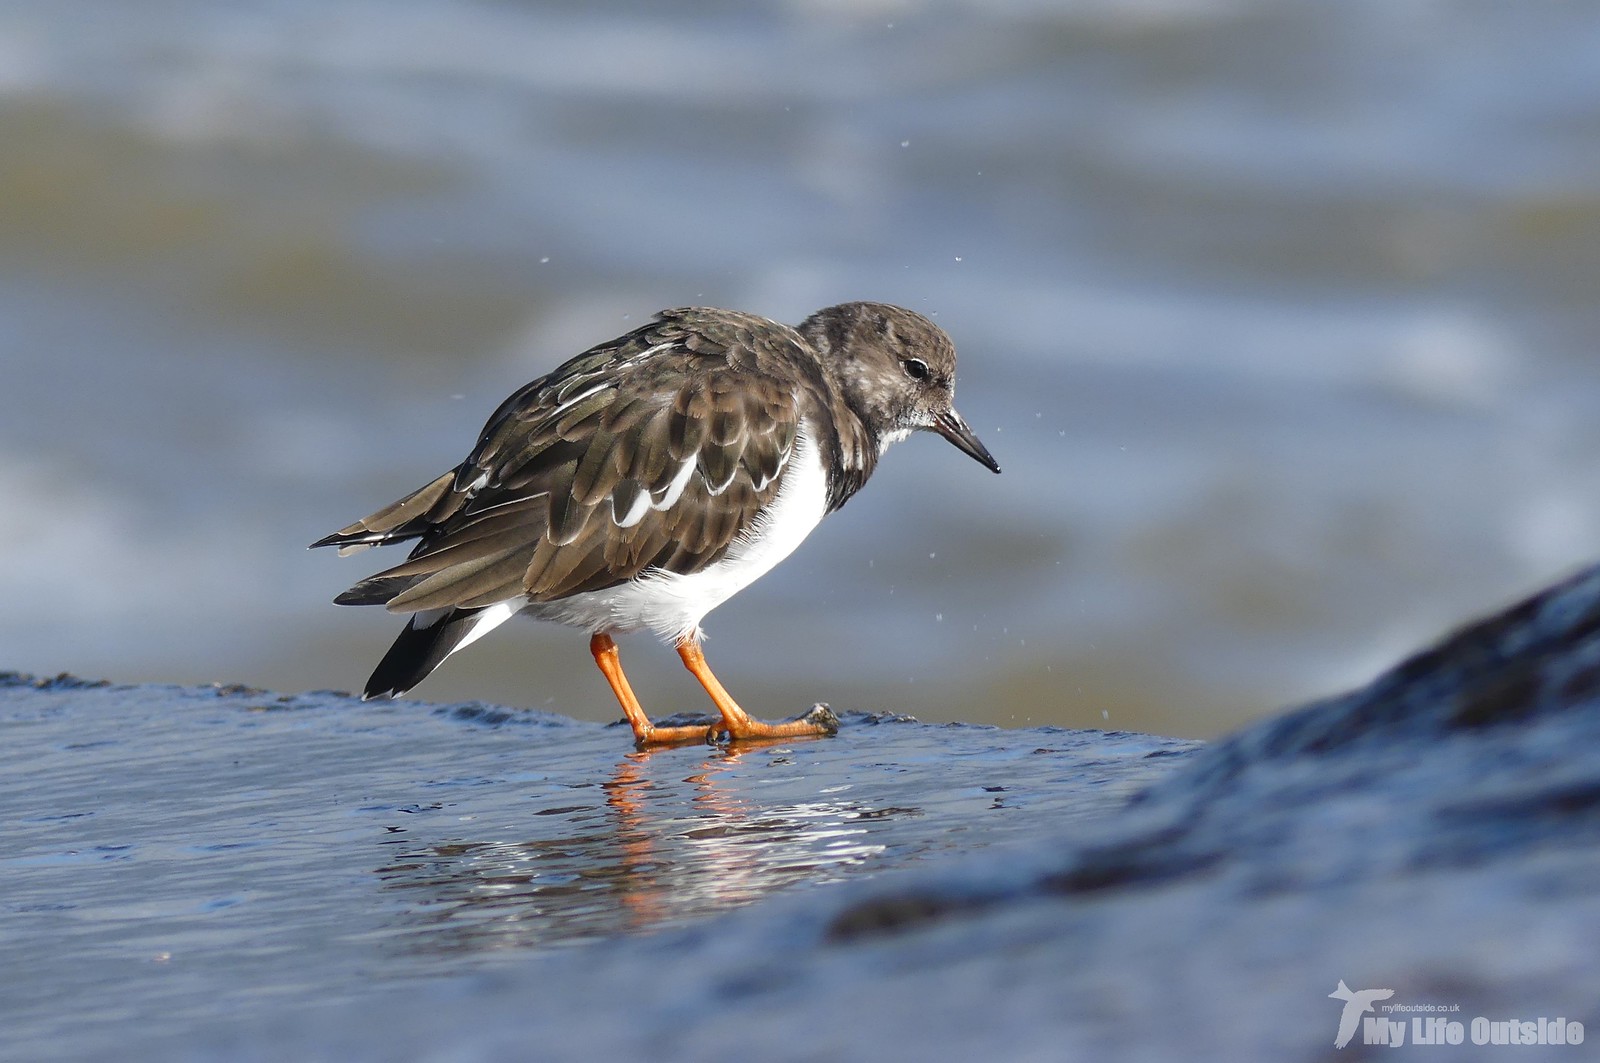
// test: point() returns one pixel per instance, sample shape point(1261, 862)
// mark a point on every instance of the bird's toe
point(822, 718)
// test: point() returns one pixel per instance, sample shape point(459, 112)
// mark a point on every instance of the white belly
point(672, 605)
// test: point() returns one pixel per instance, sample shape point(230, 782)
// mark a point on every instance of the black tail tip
point(417, 652)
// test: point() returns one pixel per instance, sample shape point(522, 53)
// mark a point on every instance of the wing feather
point(581, 481)
point(484, 578)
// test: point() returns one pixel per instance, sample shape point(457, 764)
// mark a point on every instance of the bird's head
point(895, 369)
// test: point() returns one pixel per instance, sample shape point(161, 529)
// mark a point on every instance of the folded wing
point(584, 479)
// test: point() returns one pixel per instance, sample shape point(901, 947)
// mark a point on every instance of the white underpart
point(673, 605)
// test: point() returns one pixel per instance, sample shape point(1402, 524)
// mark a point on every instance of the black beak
point(950, 425)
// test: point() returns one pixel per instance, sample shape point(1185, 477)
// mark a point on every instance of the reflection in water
point(208, 855)
point(656, 851)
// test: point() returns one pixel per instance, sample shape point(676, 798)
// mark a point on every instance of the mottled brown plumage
point(658, 454)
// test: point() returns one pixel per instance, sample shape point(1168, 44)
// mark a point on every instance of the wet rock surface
point(183, 859)
point(941, 893)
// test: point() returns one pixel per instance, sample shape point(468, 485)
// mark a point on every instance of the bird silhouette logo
point(1355, 1003)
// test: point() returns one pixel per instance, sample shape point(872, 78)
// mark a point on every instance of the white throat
point(890, 438)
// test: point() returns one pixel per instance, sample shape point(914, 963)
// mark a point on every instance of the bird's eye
point(915, 368)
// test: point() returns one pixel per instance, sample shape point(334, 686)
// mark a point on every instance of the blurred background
point(1280, 316)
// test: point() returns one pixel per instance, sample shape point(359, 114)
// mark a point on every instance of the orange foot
point(739, 725)
point(736, 724)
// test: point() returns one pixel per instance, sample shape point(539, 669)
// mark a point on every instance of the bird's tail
point(428, 638)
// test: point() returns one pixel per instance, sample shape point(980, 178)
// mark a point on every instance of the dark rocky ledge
point(901, 892)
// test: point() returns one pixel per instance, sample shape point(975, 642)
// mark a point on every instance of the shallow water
point(1279, 316)
point(188, 856)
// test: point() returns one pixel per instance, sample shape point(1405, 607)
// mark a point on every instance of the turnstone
point(648, 480)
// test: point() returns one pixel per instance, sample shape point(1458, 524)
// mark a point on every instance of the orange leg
point(645, 733)
point(738, 723)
